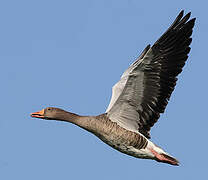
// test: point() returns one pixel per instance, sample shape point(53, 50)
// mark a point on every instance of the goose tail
point(161, 156)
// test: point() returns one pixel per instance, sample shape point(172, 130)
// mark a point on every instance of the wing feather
point(146, 86)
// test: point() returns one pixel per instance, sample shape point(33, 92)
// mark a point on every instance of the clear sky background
point(69, 54)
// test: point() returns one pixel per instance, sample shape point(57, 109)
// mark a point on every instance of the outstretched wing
point(146, 86)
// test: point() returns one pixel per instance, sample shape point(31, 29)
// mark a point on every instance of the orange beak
point(39, 114)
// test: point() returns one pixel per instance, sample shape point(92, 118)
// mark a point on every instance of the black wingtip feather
point(170, 53)
point(180, 15)
point(178, 18)
point(183, 20)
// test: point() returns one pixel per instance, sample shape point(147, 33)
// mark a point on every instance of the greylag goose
point(139, 96)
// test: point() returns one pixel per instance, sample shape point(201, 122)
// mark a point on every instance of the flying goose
point(139, 96)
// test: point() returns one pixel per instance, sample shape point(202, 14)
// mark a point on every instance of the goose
point(139, 97)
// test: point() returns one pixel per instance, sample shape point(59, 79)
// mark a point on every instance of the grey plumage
point(145, 87)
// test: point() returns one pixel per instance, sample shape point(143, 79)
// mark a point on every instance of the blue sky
point(69, 54)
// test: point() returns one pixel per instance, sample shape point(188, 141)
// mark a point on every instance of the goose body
point(139, 97)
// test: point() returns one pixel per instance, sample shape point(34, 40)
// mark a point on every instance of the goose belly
point(125, 147)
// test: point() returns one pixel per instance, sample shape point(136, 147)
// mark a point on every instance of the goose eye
point(49, 109)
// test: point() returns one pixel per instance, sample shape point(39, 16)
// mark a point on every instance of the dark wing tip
point(181, 14)
point(188, 14)
point(193, 19)
point(179, 23)
point(170, 53)
point(186, 17)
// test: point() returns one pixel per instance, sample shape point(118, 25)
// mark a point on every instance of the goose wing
point(146, 86)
